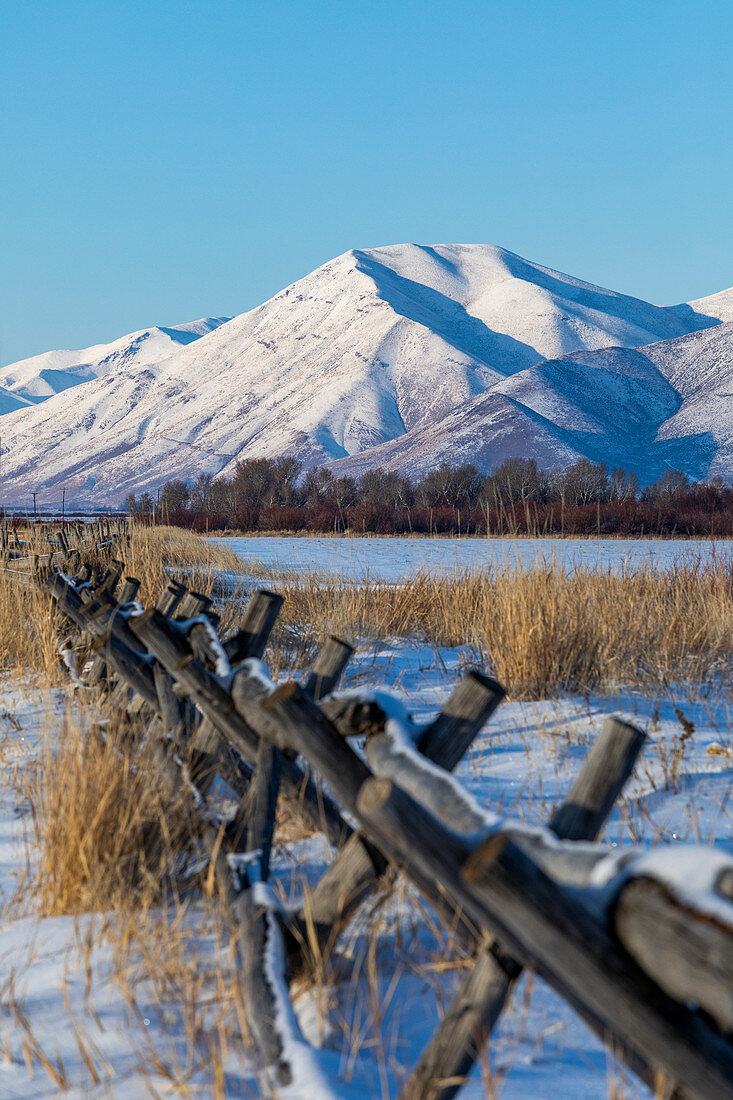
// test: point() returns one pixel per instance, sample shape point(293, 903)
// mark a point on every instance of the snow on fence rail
point(638, 943)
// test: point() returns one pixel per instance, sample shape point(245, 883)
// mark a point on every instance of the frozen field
point(70, 1013)
point(393, 559)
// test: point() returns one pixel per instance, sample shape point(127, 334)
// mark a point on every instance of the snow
point(394, 559)
point(34, 380)
point(690, 875)
point(373, 346)
point(718, 306)
point(665, 405)
point(385, 991)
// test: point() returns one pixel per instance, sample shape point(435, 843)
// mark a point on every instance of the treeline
point(517, 498)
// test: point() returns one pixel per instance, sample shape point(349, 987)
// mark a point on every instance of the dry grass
point(107, 833)
point(539, 630)
point(155, 554)
point(27, 635)
point(542, 630)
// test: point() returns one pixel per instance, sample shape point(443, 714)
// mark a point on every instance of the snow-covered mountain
point(32, 380)
point(666, 405)
point(348, 366)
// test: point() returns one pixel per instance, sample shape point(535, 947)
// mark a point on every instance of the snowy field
point(73, 1020)
point(394, 559)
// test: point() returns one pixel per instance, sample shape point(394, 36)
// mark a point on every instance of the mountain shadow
point(448, 319)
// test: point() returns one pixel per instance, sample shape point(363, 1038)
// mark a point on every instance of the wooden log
point(170, 598)
point(262, 805)
point(193, 604)
point(358, 867)
point(96, 671)
point(688, 953)
point(354, 716)
point(104, 617)
point(606, 769)
point(456, 1045)
point(551, 929)
point(481, 996)
point(328, 668)
point(259, 618)
point(170, 706)
point(205, 645)
point(540, 923)
point(449, 737)
point(264, 984)
point(172, 650)
point(129, 590)
point(111, 578)
point(210, 756)
point(126, 662)
point(391, 756)
point(84, 575)
point(260, 940)
point(344, 885)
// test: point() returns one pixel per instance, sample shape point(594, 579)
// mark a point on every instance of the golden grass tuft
point(27, 631)
point(107, 832)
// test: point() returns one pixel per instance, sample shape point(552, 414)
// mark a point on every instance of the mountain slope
point(42, 376)
point(666, 405)
point(372, 345)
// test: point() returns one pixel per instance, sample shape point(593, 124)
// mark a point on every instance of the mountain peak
point(378, 347)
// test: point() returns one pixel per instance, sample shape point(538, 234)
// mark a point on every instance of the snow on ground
point(66, 1001)
point(395, 559)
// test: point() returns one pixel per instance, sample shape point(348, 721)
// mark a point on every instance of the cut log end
point(486, 854)
point(373, 795)
point(279, 695)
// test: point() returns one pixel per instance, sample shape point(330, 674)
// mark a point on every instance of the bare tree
point(623, 485)
point(516, 480)
point(670, 484)
point(583, 482)
point(450, 486)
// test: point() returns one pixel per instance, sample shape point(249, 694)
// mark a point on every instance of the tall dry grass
point(155, 554)
point(28, 639)
point(107, 833)
point(540, 630)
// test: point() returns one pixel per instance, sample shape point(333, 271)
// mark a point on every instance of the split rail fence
point(642, 954)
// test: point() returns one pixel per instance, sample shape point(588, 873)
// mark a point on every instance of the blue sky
point(167, 160)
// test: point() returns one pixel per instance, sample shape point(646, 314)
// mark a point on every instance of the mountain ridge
point(377, 346)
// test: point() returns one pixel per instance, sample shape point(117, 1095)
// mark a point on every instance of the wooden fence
point(637, 944)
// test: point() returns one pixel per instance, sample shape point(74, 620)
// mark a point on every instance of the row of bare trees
point(277, 494)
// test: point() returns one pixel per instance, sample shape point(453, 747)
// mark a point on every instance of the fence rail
point(641, 956)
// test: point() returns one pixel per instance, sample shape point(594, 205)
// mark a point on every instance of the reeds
point(107, 832)
point(27, 631)
point(538, 629)
point(541, 630)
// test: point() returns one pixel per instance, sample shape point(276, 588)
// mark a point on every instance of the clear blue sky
point(164, 160)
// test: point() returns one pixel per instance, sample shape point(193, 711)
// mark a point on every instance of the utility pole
point(35, 513)
point(63, 507)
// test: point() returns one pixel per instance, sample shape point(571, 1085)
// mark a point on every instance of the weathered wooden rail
point(644, 959)
point(56, 546)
